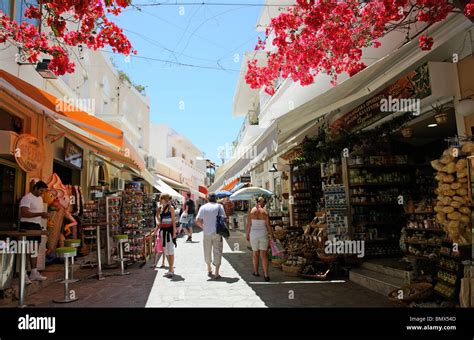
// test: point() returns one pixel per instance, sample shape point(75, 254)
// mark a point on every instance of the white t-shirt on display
point(208, 213)
point(34, 205)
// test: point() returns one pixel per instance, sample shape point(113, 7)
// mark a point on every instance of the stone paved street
point(192, 288)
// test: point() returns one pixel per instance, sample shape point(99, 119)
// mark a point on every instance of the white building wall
point(96, 83)
point(192, 168)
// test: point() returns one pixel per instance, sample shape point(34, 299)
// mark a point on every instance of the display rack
point(306, 194)
point(88, 222)
point(278, 218)
point(450, 269)
point(377, 187)
point(336, 211)
point(134, 223)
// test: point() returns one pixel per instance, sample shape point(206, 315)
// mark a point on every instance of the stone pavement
point(192, 288)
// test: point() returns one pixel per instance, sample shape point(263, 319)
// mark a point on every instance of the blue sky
point(195, 102)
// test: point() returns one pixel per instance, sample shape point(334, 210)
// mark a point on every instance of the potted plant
point(441, 115)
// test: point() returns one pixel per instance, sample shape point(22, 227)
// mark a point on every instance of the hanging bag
point(277, 248)
point(221, 227)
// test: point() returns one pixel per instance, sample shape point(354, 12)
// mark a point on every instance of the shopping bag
point(221, 226)
point(277, 248)
point(184, 219)
point(158, 244)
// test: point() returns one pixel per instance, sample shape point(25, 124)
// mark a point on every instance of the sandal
point(267, 278)
point(255, 274)
point(209, 274)
point(217, 277)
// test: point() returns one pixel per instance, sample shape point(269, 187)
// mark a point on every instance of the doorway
point(11, 184)
point(67, 174)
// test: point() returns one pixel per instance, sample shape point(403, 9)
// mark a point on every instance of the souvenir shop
point(386, 199)
point(91, 185)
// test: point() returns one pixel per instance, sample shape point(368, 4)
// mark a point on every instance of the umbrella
point(249, 193)
point(237, 187)
point(221, 194)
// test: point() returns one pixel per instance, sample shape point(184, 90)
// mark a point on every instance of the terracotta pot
point(441, 118)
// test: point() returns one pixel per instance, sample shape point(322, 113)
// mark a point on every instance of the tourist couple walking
point(258, 229)
point(206, 219)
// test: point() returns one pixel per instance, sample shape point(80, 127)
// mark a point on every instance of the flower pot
point(441, 118)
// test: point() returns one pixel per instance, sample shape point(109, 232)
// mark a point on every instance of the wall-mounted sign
point(399, 96)
point(29, 153)
point(245, 179)
point(73, 154)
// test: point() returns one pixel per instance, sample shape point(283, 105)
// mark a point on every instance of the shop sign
point(245, 179)
point(29, 153)
point(415, 85)
point(73, 154)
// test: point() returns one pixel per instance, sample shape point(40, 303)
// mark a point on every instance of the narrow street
point(191, 287)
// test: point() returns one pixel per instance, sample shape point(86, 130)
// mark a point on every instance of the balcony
point(249, 130)
point(265, 97)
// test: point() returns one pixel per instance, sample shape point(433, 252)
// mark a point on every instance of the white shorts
point(169, 248)
point(259, 243)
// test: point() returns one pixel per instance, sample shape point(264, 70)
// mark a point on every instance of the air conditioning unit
point(150, 162)
point(118, 184)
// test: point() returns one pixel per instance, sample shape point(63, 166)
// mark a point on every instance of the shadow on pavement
point(177, 278)
point(289, 291)
point(229, 280)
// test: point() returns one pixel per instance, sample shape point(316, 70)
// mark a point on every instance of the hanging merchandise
point(134, 222)
point(453, 205)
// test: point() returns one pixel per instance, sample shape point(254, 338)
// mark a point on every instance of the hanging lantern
point(407, 132)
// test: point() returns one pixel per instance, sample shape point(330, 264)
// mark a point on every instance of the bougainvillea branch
point(67, 23)
point(328, 36)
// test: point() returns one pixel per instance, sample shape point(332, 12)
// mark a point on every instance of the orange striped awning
point(102, 129)
point(230, 185)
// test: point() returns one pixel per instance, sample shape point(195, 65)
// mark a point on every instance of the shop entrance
point(67, 174)
point(11, 181)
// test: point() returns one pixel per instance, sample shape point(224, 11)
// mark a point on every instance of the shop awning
point(238, 186)
point(77, 117)
point(97, 147)
point(230, 185)
point(161, 186)
point(173, 183)
point(198, 193)
point(203, 190)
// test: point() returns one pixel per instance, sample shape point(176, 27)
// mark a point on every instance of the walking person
point(188, 217)
point(31, 213)
point(167, 227)
point(257, 229)
point(206, 219)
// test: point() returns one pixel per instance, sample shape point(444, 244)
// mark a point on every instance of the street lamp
point(273, 168)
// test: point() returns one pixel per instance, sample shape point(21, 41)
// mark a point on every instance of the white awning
point(160, 185)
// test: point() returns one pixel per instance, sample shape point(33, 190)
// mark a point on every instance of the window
point(173, 152)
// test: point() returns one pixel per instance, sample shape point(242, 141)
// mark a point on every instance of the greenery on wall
point(324, 146)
